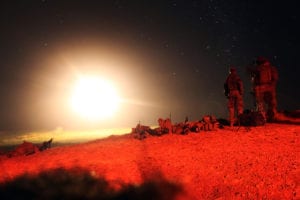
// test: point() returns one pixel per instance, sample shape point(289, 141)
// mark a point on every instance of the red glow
point(261, 163)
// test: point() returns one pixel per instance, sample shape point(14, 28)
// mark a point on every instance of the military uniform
point(264, 79)
point(234, 91)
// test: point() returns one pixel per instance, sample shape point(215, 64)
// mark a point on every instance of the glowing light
point(94, 98)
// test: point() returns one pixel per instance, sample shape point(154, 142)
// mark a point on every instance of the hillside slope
point(262, 163)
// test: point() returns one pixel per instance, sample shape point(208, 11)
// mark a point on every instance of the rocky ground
point(260, 163)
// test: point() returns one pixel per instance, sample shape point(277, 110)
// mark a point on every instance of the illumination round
point(94, 98)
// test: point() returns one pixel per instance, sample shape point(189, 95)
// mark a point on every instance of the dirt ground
point(260, 163)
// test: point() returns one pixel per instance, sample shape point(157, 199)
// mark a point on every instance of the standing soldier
point(264, 80)
point(233, 87)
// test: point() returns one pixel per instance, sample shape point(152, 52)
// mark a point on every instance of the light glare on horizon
point(94, 98)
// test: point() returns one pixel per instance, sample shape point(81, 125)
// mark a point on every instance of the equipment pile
point(165, 126)
point(28, 148)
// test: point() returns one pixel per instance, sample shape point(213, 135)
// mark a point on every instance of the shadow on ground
point(80, 184)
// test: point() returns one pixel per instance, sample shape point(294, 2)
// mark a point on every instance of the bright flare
point(94, 98)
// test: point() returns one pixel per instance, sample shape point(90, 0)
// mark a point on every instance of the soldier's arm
point(241, 87)
point(274, 75)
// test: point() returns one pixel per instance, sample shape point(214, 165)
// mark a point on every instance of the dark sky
point(165, 56)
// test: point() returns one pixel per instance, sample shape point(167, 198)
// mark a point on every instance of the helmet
point(262, 60)
point(232, 69)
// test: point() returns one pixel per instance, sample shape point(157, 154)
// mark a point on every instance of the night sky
point(165, 57)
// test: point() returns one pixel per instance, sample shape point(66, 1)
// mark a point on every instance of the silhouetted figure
point(165, 126)
point(186, 119)
point(46, 145)
point(233, 87)
point(264, 79)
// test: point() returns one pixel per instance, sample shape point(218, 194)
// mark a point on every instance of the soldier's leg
point(273, 103)
point(231, 110)
point(259, 96)
point(240, 104)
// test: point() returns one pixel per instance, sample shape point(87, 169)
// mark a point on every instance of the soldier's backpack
point(265, 74)
point(252, 118)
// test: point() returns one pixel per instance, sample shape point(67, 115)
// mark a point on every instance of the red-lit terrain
point(262, 163)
